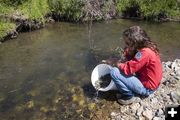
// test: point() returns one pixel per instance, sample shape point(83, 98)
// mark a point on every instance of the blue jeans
point(128, 85)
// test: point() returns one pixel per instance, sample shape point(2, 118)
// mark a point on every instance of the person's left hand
point(118, 63)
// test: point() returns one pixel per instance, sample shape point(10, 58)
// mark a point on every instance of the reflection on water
point(45, 74)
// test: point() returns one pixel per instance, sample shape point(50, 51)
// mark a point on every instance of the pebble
point(113, 114)
point(148, 114)
point(151, 108)
point(178, 72)
point(154, 100)
point(159, 112)
point(157, 118)
point(142, 118)
point(124, 109)
point(174, 97)
point(139, 111)
point(135, 106)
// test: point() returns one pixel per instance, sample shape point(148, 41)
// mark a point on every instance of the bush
point(35, 9)
point(151, 8)
point(4, 9)
point(13, 2)
point(5, 27)
point(67, 9)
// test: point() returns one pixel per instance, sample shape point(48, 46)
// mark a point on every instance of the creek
point(45, 74)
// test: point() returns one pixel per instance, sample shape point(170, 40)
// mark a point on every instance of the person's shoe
point(126, 101)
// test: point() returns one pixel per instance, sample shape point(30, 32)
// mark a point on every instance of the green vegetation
point(5, 10)
point(13, 2)
point(79, 10)
point(151, 8)
point(70, 10)
point(74, 10)
point(30, 9)
point(5, 28)
point(34, 9)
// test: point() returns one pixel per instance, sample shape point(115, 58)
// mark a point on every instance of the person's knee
point(114, 72)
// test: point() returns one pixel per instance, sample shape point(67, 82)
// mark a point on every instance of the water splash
point(96, 99)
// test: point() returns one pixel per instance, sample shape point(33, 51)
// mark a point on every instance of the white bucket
point(101, 70)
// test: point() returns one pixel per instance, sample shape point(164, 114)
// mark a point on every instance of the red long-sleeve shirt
point(147, 65)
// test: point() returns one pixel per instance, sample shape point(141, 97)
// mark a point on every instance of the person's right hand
point(111, 61)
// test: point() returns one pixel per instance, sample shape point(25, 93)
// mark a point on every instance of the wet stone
point(44, 109)
point(30, 104)
point(103, 82)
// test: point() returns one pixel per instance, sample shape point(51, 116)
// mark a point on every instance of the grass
point(74, 10)
point(70, 10)
point(152, 8)
point(35, 9)
point(5, 9)
point(32, 9)
point(6, 27)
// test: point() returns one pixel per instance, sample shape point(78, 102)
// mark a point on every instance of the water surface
point(45, 74)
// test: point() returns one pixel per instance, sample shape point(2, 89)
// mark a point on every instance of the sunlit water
point(45, 74)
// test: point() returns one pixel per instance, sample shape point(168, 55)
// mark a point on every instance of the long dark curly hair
point(138, 39)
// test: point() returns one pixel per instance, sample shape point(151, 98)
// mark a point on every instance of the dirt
point(103, 82)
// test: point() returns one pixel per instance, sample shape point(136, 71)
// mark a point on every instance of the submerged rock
point(19, 108)
point(91, 106)
point(44, 109)
point(30, 104)
point(2, 98)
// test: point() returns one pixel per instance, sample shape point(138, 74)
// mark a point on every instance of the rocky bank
point(153, 107)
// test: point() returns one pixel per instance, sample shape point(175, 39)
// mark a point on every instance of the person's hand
point(118, 63)
point(111, 61)
point(126, 51)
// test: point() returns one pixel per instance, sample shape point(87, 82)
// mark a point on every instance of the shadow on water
point(93, 58)
point(7, 103)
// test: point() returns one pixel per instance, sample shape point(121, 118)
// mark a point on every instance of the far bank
point(27, 15)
